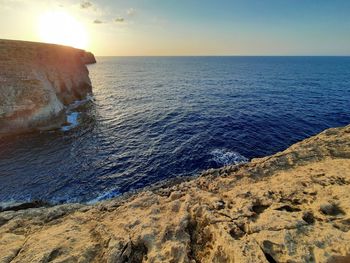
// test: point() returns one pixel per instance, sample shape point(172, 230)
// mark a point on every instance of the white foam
point(72, 116)
point(107, 195)
point(14, 201)
point(224, 157)
point(10, 203)
point(72, 119)
point(78, 103)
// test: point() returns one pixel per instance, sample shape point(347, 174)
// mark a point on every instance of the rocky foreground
point(37, 82)
point(293, 206)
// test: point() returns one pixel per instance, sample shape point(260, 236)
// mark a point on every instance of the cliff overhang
point(38, 81)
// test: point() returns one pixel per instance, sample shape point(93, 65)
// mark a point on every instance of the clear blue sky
point(209, 27)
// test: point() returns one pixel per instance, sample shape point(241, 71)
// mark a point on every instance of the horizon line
point(221, 55)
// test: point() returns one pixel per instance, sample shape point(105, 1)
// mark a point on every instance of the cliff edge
point(293, 206)
point(37, 81)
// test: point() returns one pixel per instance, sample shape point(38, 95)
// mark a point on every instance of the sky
point(183, 27)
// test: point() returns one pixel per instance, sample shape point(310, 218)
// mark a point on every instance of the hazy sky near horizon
point(191, 27)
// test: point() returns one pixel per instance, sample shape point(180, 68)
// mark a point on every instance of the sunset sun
point(61, 28)
point(190, 131)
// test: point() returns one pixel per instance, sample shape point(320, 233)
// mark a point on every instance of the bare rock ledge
point(293, 206)
point(37, 81)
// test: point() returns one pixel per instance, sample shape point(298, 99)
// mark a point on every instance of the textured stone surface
point(37, 81)
point(293, 206)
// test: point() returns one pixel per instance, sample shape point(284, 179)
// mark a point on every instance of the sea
point(151, 119)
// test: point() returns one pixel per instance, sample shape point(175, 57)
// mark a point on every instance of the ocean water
point(154, 118)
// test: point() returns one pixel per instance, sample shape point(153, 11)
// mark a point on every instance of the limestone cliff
point(89, 58)
point(293, 206)
point(37, 81)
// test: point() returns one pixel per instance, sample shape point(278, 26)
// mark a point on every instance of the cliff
point(89, 58)
point(37, 81)
point(293, 206)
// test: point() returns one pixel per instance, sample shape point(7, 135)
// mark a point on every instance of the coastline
point(291, 206)
point(38, 82)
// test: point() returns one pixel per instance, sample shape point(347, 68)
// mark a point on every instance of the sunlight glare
point(59, 27)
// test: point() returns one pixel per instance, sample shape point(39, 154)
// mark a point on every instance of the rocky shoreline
point(37, 82)
point(289, 207)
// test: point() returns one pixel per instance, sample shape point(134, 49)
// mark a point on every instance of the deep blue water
point(156, 118)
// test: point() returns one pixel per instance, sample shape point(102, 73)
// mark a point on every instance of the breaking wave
point(224, 157)
point(104, 196)
point(154, 119)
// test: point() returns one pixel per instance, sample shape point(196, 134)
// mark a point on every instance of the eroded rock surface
point(293, 206)
point(37, 81)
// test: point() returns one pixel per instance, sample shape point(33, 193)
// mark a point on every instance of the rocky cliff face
point(293, 206)
point(89, 58)
point(37, 81)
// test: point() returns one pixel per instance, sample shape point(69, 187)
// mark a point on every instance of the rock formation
point(89, 58)
point(37, 81)
point(293, 206)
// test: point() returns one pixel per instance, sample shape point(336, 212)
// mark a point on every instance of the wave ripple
point(152, 119)
point(224, 157)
